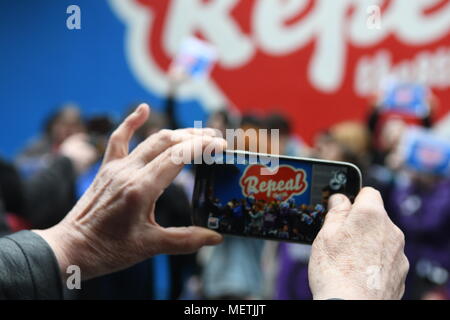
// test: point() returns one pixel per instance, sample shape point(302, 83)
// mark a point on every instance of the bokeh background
point(43, 63)
point(314, 69)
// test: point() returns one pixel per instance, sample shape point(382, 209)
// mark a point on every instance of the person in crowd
point(233, 269)
point(4, 227)
point(65, 122)
point(50, 192)
point(45, 198)
point(386, 126)
point(49, 176)
point(346, 141)
point(289, 144)
point(419, 202)
point(420, 205)
point(416, 200)
point(377, 120)
point(109, 231)
point(221, 120)
point(12, 199)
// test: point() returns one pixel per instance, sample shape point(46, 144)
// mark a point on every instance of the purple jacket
point(424, 218)
point(292, 278)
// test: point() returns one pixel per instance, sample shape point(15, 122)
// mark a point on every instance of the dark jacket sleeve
point(28, 268)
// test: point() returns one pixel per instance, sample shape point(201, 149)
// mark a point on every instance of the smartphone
point(267, 196)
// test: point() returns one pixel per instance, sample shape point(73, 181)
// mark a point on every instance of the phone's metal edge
point(301, 159)
point(262, 238)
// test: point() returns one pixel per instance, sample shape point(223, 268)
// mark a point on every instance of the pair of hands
point(113, 226)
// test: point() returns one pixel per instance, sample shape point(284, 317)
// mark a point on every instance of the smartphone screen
point(240, 194)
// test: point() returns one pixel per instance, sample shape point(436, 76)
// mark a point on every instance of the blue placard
point(195, 58)
point(406, 98)
point(426, 152)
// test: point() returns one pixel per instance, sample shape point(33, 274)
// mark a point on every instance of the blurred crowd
point(55, 169)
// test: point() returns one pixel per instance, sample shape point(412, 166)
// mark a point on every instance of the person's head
point(99, 129)
point(422, 163)
point(325, 147)
point(65, 122)
point(391, 133)
point(389, 123)
point(221, 121)
point(276, 121)
point(251, 124)
point(346, 141)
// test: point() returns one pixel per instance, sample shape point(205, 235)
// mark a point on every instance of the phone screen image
point(287, 203)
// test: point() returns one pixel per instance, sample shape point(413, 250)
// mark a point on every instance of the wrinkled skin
point(113, 225)
point(359, 252)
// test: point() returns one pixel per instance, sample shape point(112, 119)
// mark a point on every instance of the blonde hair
point(352, 135)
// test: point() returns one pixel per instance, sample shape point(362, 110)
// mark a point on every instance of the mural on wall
point(316, 60)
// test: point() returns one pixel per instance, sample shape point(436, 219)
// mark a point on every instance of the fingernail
point(335, 200)
point(215, 239)
point(220, 141)
point(138, 110)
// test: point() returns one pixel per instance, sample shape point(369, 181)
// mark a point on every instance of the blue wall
point(42, 64)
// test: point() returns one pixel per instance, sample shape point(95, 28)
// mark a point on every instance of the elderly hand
point(359, 252)
point(113, 225)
